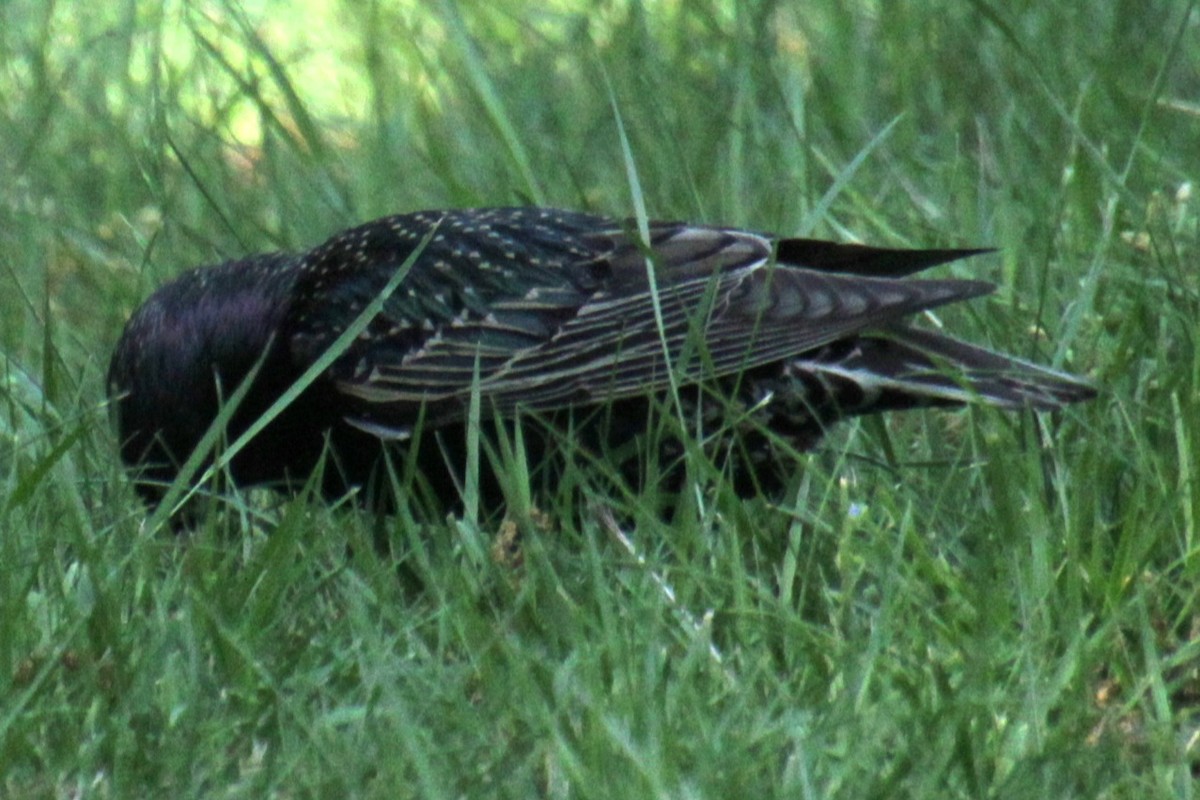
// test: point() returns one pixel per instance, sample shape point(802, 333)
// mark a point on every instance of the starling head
point(541, 311)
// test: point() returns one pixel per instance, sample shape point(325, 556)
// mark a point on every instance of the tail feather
point(864, 260)
point(903, 367)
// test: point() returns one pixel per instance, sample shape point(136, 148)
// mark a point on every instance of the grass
point(942, 605)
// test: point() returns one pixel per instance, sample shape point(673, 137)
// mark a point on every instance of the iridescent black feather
point(551, 312)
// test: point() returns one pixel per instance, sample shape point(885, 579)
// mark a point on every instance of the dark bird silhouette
point(544, 314)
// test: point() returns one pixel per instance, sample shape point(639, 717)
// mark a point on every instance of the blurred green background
point(946, 606)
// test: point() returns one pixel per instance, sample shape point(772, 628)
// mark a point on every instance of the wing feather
point(612, 346)
point(546, 308)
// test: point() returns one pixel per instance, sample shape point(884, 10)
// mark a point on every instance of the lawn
point(966, 604)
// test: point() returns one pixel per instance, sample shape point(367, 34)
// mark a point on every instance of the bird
point(580, 322)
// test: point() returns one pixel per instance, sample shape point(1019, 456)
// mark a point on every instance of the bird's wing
point(759, 315)
point(724, 305)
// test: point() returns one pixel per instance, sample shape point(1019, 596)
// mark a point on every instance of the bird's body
point(541, 312)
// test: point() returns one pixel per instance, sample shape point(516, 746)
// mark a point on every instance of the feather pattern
point(582, 327)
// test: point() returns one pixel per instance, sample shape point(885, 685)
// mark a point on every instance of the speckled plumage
point(553, 311)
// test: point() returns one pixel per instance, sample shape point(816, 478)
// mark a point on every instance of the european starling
point(546, 314)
